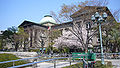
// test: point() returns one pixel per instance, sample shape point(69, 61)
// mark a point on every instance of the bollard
point(34, 65)
point(54, 63)
point(83, 63)
point(36, 61)
point(13, 64)
point(70, 60)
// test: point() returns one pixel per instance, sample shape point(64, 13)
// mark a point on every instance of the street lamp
point(99, 19)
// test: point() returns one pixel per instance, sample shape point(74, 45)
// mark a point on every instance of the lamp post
point(99, 19)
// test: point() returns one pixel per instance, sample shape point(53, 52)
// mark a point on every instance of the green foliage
point(99, 65)
point(13, 29)
point(22, 35)
point(55, 50)
point(20, 38)
point(115, 35)
point(50, 44)
point(64, 49)
point(63, 59)
point(0, 44)
point(7, 36)
point(34, 50)
point(7, 57)
point(55, 34)
point(111, 36)
point(14, 36)
point(50, 49)
point(78, 65)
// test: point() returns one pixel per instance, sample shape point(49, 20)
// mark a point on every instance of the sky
point(14, 12)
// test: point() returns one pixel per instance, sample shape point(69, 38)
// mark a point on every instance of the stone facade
point(83, 17)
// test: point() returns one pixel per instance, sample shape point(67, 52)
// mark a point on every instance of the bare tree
point(84, 36)
point(77, 35)
point(67, 10)
point(81, 32)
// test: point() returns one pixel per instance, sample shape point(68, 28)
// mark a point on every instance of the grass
point(7, 57)
point(97, 65)
point(78, 65)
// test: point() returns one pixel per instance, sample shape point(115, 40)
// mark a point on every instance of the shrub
point(34, 50)
point(7, 57)
point(99, 65)
point(78, 65)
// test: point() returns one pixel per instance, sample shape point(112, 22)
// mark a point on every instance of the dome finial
point(47, 16)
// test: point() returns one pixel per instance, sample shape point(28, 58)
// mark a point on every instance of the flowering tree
point(77, 36)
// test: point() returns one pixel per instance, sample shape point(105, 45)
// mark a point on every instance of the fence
point(85, 63)
point(53, 59)
point(18, 60)
point(34, 64)
point(108, 55)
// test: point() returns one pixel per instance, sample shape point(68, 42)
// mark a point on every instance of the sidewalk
point(115, 62)
point(51, 65)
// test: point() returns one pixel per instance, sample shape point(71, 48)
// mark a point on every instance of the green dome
point(47, 19)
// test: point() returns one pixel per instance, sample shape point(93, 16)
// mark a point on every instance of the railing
point(18, 60)
point(53, 59)
point(109, 55)
point(85, 64)
point(22, 59)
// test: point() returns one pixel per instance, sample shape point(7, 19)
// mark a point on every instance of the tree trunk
point(16, 46)
point(114, 48)
point(24, 49)
point(86, 50)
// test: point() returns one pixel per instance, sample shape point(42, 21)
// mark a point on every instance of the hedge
point(97, 65)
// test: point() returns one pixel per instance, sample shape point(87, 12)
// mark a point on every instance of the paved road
point(115, 62)
point(51, 65)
